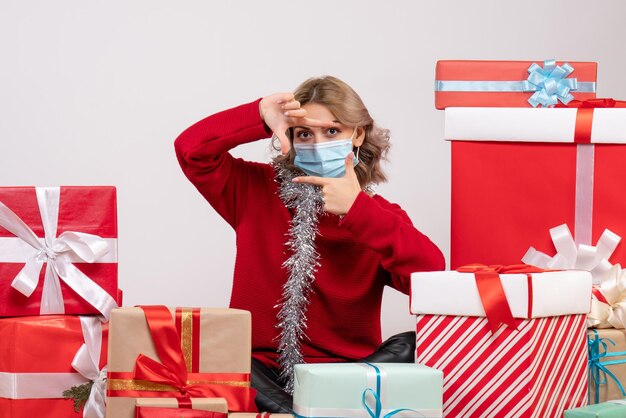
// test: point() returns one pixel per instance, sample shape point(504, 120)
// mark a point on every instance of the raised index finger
point(320, 123)
point(317, 181)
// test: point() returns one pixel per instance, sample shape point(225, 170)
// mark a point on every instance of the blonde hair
point(346, 105)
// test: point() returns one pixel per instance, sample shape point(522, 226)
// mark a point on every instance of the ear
point(360, 137)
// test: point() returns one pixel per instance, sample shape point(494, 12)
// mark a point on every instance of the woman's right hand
point(280, 111)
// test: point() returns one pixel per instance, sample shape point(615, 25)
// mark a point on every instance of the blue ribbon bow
point(550, 83)
point(597, 348)
point(378, 406)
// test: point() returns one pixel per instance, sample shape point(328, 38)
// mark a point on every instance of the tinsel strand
point(307, 203)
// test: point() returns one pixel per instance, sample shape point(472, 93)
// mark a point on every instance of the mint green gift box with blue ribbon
point(367, 390)
point(609, 409)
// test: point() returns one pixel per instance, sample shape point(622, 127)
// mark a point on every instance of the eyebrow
point(307, 127)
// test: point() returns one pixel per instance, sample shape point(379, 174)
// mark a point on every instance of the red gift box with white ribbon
point(519, 172)
point(58, 250)
point(43, 356)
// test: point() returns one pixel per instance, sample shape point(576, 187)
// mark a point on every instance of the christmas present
point(72, 231)
point(607, 364)
point(512, 83)
point(534, 366)
point(366, 389)
point(158, 352)
point(148, 412)
point(609, 409)
point(543, 168)
point(258, 415)
point(46, 361)
point(183, 407)
point(155, 412)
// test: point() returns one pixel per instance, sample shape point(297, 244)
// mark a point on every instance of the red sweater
point(375, 244)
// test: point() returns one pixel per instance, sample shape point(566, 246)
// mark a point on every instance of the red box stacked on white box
point(58, 260)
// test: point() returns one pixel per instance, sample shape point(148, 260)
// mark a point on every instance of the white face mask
point(325, 159)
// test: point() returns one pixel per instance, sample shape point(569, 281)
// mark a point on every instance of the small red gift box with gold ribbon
point(184, 353)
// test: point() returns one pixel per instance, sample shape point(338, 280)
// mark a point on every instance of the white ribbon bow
point(612, 289)
point(86, 362)
point(56, 253)
point(570, 257)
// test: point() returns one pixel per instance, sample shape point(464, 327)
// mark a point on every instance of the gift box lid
point(532, 125)
point(546, 294)
point(469, 83)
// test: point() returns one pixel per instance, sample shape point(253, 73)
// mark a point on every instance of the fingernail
point(295, 179)
point(286, 113)
point(351, 155)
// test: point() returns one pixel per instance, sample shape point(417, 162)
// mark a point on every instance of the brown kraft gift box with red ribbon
point(183, 353)
point(181, 408)
point(517, 173)
point(58, 250)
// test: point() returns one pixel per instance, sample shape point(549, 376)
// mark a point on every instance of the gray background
point(95, 92)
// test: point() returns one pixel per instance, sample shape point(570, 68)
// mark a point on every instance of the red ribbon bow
point(172, 369)
point(584, 115)
point(492, 294)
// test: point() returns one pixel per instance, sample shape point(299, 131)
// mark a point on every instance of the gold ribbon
point(144, 385)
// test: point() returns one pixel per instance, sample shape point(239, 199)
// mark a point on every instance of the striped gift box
point(536, 370)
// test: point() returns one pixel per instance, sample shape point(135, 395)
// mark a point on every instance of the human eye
point(333, 131)
point(304, 135)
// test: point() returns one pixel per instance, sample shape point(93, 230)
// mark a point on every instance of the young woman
point(315, 245)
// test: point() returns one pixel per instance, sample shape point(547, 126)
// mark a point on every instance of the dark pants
point(271, 396)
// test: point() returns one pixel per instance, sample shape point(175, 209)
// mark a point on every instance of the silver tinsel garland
point(307, 202)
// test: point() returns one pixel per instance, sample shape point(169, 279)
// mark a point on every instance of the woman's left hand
point(339, 193)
